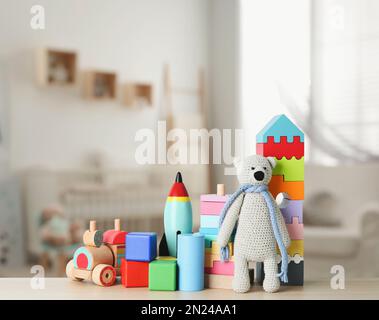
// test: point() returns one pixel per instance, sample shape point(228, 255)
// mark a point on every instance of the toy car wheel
point(70, 271)
point(104, 275)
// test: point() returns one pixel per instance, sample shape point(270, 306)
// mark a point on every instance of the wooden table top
point(63, 288)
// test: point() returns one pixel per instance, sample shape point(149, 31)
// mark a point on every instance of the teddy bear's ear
point(237, 162)
point(272, 162)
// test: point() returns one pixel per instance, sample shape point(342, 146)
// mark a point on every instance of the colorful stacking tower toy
point(282, 139)
point(218, 275)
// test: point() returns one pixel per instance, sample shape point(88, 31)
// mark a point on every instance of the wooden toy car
point(99, 260)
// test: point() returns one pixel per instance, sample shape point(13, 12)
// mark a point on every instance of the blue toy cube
point(141, 246)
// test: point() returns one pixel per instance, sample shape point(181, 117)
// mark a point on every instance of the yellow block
point(215, 248)
point(296, 247)
point(166, 258)
point(210, 258)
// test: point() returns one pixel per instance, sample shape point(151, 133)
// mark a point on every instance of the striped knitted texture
point(263, 190)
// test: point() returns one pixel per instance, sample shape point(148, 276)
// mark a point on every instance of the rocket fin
point(163, 248)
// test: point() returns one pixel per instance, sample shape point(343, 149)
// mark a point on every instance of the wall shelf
point(138, 94)
point(99, 85)
point(56, 67)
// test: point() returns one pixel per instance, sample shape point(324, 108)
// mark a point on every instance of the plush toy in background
point(54, 227)
point(59, 237)
point(260, 225)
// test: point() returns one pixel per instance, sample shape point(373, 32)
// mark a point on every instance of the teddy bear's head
point(255, 169)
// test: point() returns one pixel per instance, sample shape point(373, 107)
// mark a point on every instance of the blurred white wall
point(275, 48)
point(224, 75)
point(55, 127)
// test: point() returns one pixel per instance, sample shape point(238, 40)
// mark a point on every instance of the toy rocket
point(177, 214)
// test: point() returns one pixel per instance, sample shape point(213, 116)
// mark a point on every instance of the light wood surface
point(62, 288)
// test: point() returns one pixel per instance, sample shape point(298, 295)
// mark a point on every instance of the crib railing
point(137, 211)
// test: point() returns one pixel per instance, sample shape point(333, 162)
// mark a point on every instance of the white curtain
point(345, 74)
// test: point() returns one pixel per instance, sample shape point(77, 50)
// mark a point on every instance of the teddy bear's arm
point(283, 229)
point(282, 200)
point(230, 221)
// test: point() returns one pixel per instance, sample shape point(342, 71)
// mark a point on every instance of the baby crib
point(137, 211)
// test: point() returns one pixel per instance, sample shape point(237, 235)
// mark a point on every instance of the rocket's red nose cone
point(178, 189)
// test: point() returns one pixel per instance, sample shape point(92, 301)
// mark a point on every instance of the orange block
point(295, 189)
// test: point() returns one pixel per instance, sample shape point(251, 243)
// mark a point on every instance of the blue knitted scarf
point(262, 189)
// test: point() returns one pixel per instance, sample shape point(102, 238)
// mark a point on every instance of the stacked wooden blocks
point(218, 274)
point(142, 268)
point(141, 249)
point(282, 139)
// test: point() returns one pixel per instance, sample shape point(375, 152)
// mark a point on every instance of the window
point(345, 75)
point(325, 55)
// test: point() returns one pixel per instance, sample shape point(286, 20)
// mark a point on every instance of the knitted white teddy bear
point(260, 225)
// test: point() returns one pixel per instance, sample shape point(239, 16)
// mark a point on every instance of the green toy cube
point(162, 275)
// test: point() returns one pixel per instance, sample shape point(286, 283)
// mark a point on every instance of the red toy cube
point(134, 273)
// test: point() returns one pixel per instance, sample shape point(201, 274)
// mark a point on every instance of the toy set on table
point(248, 225)
point(133, 255)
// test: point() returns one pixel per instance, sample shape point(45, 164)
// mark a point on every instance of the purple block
point(294, 209)
point(141, 246)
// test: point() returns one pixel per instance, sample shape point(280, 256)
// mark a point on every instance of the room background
point(72, 159)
